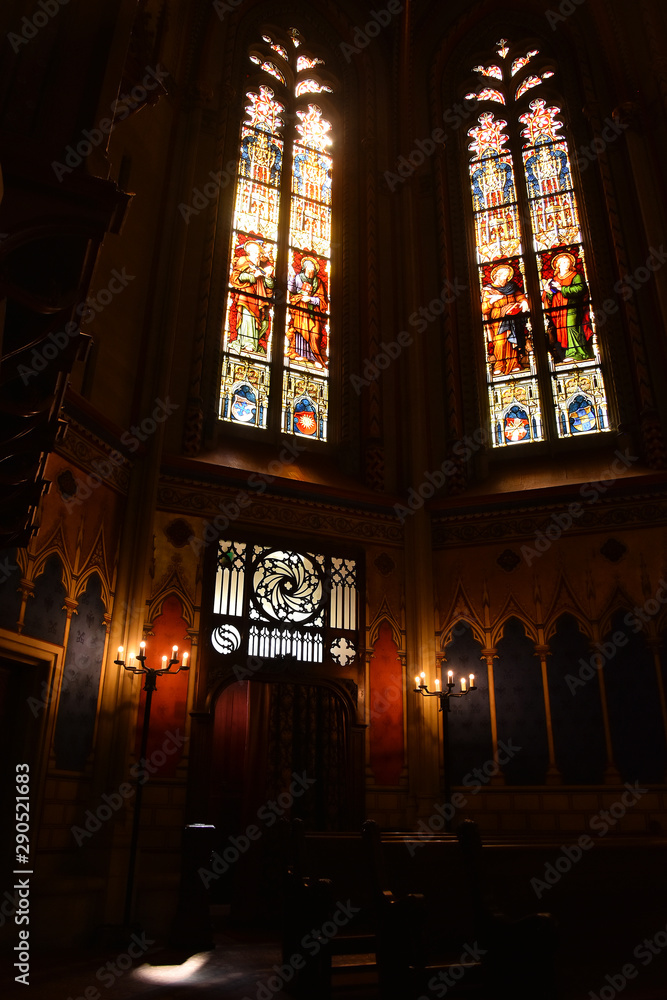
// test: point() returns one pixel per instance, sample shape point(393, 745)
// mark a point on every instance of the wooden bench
point(399, 926)
point(519, 960)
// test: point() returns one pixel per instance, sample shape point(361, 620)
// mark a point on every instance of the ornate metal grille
point(270, 602)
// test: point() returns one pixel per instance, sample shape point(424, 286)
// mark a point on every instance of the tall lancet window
point(275, 372)
point(543, 367)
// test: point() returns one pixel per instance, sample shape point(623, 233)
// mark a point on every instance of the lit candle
point(450, 677)
point(164, 662)
point(185, 659)
point(423, 677)
point(142, 647)
point(463, 684)
point(174, 650)
point(131, 658)
point(120, 652)
point(437, 684)
point(472, 680)
point(417, 684)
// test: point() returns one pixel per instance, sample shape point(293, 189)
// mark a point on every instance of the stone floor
point(246, 965)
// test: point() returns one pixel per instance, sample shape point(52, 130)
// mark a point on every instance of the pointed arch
point(520, 704)
point(385, 615)
point(565, 601)
point(575, 703)
point(96, 562)
point(551, 624)
point(56, 545)
point(461, 610)
point(512, 609)
point(449, 632)
point(174, 584)
point(618, 601)
point(45, 615)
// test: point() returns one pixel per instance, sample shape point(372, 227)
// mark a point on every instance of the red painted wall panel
point(386, 710)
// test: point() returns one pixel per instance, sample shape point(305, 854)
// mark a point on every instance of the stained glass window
point(270, 602)
point(544, 374)
point(275, 370)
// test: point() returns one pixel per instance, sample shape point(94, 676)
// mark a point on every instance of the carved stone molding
point(91, 454)
point(310, 516)
point(499, 526)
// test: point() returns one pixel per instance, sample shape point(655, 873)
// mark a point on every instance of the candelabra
point(151, 674)
point(421, 687)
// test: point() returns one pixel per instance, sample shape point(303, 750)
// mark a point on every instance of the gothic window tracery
point(275, 372)
point(543, 366)
point(271, 602)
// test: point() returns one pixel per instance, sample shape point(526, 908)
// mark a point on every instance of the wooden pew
point(399, 927)
point(308, 903)
point(519, 963)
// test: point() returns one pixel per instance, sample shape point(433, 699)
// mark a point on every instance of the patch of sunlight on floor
point(172, 973)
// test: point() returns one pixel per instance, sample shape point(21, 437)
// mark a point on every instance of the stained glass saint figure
point(306, 332)
point(253, 275)
point(505, 305)
point(565, 297)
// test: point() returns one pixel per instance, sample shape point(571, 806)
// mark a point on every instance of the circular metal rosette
point(226, 639)
point(288, 586)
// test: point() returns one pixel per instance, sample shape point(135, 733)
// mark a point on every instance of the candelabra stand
point(421, 687)
point(151, 676)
